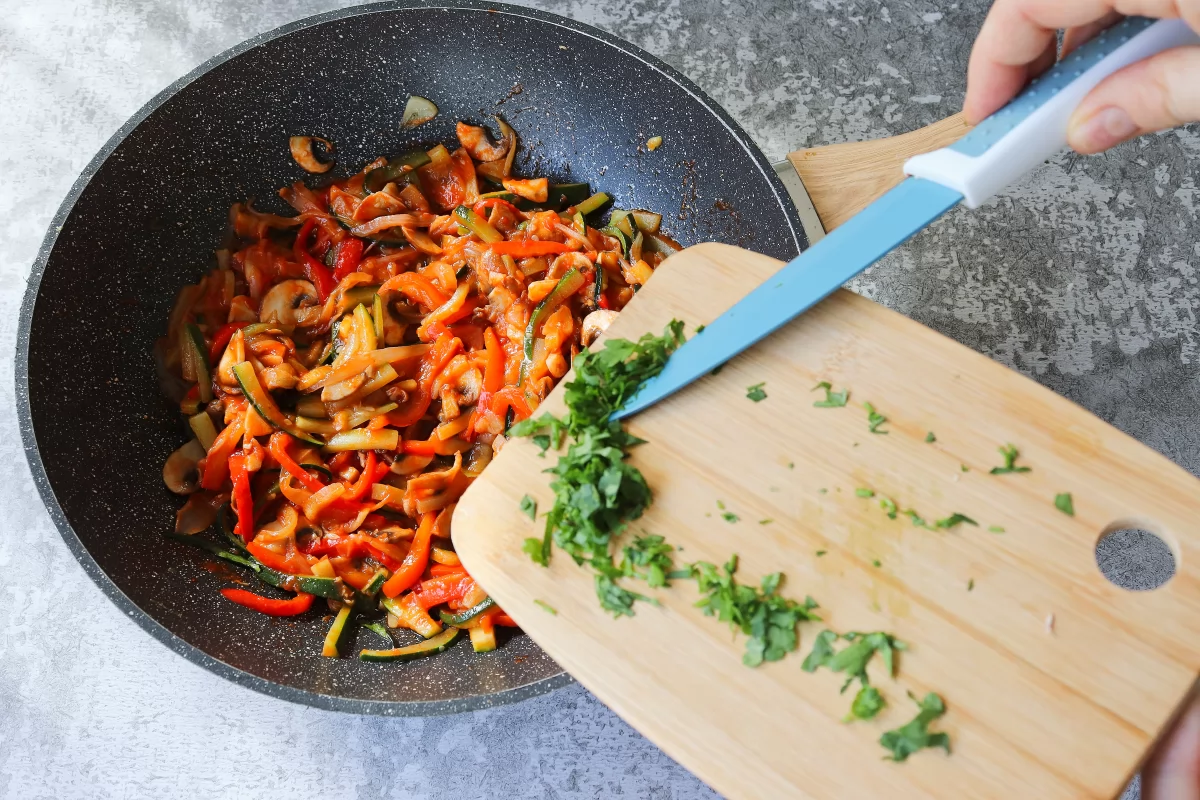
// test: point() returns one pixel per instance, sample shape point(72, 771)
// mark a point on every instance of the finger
point(1173, 771)
point(1157, 93)
point(1015, 34)
point(1080, 34)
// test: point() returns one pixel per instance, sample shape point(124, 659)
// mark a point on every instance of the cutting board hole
point(1134, 558)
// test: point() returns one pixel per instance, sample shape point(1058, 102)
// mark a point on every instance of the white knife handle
point(1033, 126)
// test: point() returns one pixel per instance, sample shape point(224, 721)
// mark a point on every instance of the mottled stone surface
point(1084, 277)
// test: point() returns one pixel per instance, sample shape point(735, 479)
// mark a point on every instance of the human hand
point(1018, 42)
point(1173, 770)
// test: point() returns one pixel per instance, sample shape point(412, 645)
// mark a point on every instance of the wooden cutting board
point(1056, 681)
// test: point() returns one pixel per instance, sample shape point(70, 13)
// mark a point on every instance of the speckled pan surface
point(146, 214)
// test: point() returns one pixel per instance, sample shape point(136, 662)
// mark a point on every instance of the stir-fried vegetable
point(353, 368)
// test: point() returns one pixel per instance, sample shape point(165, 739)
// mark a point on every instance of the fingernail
point(1107, 127)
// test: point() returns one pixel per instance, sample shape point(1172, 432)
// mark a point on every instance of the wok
point(146, 214)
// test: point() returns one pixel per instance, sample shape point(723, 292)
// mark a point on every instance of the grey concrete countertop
point(1084, 277)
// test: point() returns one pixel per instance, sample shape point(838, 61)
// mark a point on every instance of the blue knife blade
point(802, 283)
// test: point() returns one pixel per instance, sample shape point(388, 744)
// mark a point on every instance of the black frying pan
point(146, 214)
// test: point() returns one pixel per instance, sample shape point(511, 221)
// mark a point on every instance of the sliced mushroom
point(596, 323)
point(302, 153)
point(199, 512)
point(180, 473)
point(285, 299)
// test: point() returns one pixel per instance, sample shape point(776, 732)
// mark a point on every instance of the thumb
point(1162, 91)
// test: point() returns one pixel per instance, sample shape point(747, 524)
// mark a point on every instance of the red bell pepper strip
point(372, 472)
point(216, 464)
point(442, 570)
point(296, 564)
point(316, 272)
point(445, 347)
point(349, 256)
point(417, 288)
point(511, 397)
point(420, 447)
point(528, 249)
point(487, 202)
point(442, 589)
point(278, 447)
point(243, 500)
point(269, 605)
point(493, 378)
point(415, 562)
point(505, 620)
point(221, 340)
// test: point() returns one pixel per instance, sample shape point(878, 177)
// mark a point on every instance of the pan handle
point(843, 179)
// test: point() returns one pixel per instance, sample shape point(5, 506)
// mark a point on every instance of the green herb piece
point(768, 618)
point(822, 491)
point(721, 505)
point(538, 549)
point(970, 584)
point(867, 703)
point(1010, 454)
point(756, 392)
point(821, 553)
point(908, 739)
point(888, 505)
point(864, 492)
point(597, 492)
point(1064, 503)
point(701, 328)
point(547, 607)
point(832, 399)
point(852, 659)
point(955, 519)
point(648, 558)
point(766, 521)
point(930, 438)
point(874, 419)
point(378, 628)
point(915, 517)
point(877, 563)
point(791, 465)
point(995, 529)
point(542, 440)
point(964, 467)
point(729, 516)
point(529, 507)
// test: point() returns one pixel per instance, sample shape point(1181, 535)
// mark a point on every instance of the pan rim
point(29, 301)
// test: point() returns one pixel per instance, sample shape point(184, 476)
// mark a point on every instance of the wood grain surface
point(842, 179)
point(1056, 680)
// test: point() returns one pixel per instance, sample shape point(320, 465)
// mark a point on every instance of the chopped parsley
point(1010, 454)
point(649, 558)
point(1064, 503)
point(766, 521)
point(955, 519)
point(821, 553)
point(915, 517)
point(970, 584)
point(832, 399)
point(995, 529)
point(964, 467)
point(888, 505)
point(700, 329)
point(529, 507)
point(864, 492)
point(874, 419)
point(547, 607)
point(930, 438)
point(852, 659)
point(597, 492)
point(729, 516)
point(791, 465)
point(867, 703)
point(876, 563)
point(914, 736)
point(756, 392)
point(768, 618)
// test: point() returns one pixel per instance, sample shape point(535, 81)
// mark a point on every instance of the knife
point(1006, 145)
